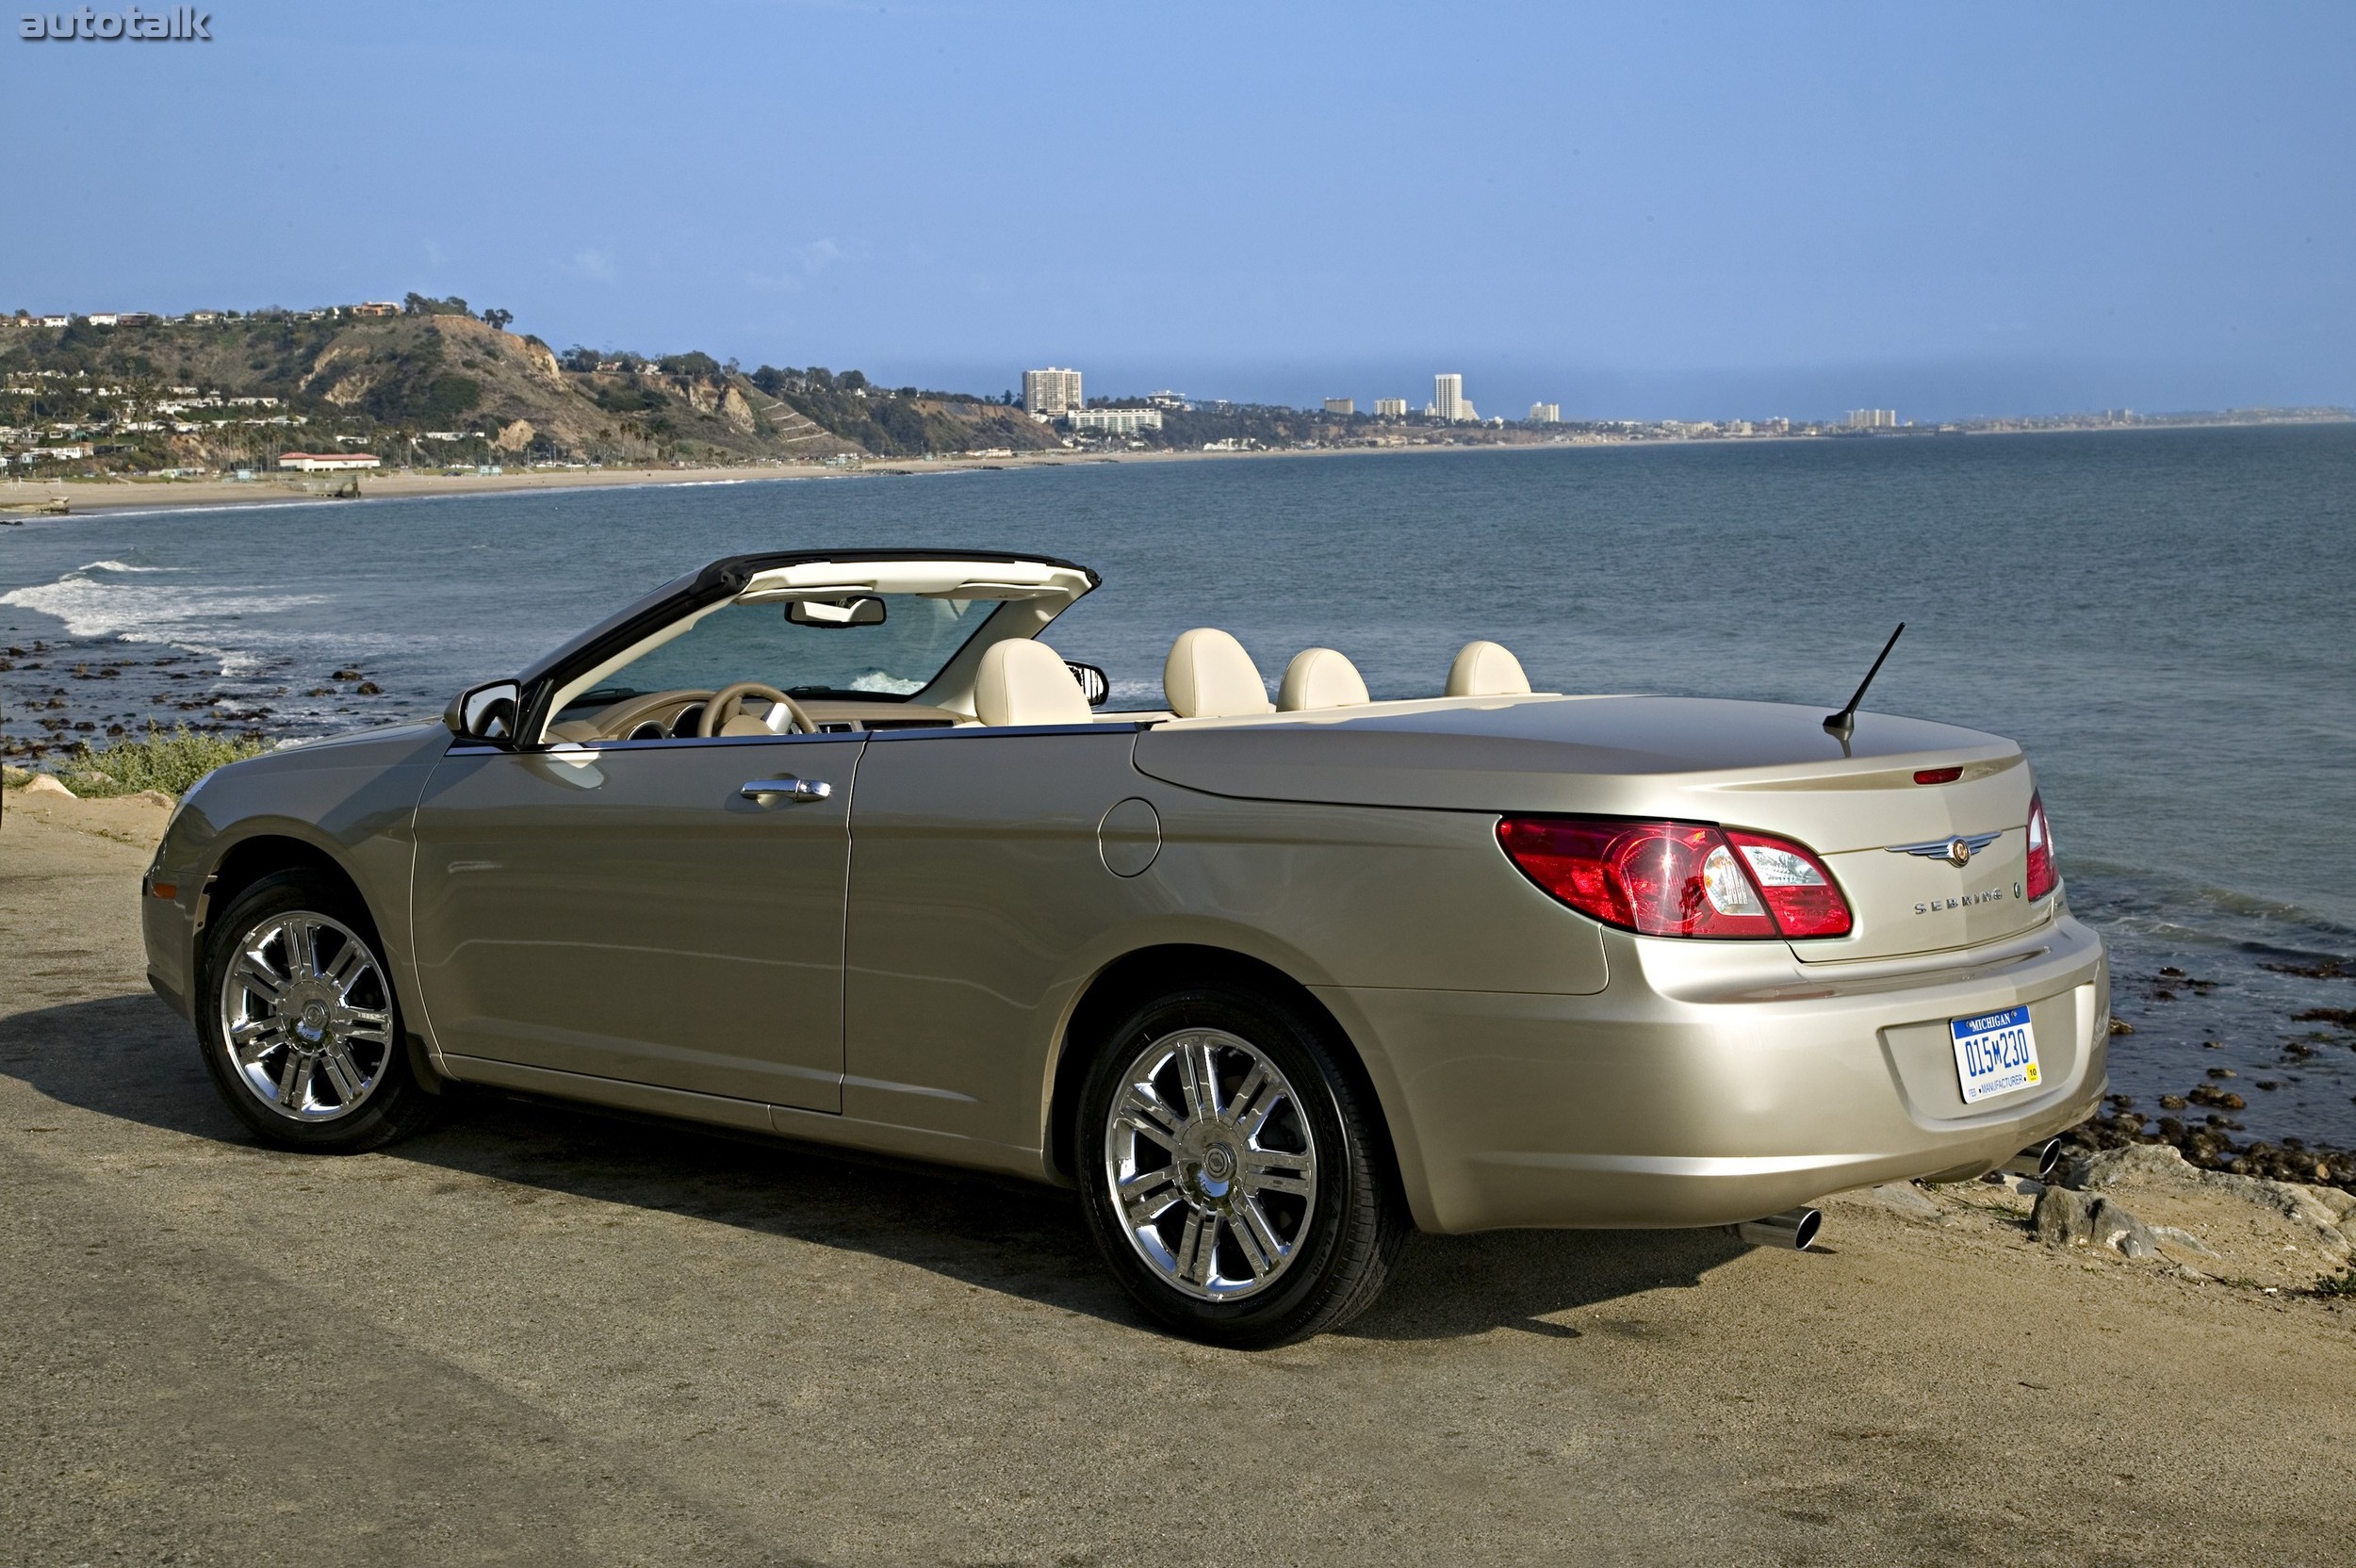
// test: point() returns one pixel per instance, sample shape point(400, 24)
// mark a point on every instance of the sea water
point(2162, 618)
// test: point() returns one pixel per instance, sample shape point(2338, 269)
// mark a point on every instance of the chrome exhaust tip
point(1793, 1228)
point(2040, 1160)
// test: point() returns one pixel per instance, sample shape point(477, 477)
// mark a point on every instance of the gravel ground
point(539, 1336)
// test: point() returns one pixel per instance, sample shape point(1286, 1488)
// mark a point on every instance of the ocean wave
point(95, 608)
point(123, 566)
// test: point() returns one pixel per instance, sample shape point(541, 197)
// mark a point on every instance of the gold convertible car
point(831, 846)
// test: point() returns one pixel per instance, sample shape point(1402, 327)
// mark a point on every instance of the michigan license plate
point(1995, 1054)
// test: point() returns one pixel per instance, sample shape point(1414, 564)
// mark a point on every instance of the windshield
point(884, 660)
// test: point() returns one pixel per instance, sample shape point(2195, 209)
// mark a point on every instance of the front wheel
point(298, 1020)
point(1231, 1173)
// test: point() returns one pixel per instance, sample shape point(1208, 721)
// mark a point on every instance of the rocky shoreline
point(62, 700)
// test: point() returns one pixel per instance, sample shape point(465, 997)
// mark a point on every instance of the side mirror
point(486, 712)
point(1093, 681)
point(833, 614)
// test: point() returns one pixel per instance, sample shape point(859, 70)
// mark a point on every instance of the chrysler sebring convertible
point(835, 847)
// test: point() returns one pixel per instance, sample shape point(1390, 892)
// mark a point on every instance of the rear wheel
point(1230, 1172)
point(298, 1020)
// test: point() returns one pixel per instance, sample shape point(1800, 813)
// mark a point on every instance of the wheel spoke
point(1256, 1238)
point(342, 1071)
point(255, 974)
point(1200, 1076)
point(367, 1026)
point(302, 952)
point(1277, 1171)
point(1198, 1248)
point(1255, 1116)
point(349, 964)
point(1252, 1081)
point(254, 1039)
point(1149, 1195)
point(294, 1080)
point(1149, 1115)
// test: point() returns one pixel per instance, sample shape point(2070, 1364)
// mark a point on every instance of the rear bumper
point(1710, 1083)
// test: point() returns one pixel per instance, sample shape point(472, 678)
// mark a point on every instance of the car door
point(979, 885)
point(629, 910)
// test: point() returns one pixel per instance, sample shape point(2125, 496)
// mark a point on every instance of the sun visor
point(940, 580)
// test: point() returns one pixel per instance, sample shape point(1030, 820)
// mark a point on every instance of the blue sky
point(1692, 211)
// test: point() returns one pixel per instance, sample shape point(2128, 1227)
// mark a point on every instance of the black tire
point(391, 1104)
point(1346, 1242)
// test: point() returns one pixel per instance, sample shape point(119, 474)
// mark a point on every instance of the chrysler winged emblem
point(1957, 851)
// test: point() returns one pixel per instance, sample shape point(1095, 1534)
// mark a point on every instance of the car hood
point(1769, 766)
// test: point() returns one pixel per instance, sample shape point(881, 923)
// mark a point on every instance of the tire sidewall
point(393, 1108)
point(1343, 1165)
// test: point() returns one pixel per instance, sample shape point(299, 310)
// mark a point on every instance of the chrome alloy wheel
point(306, 1017)
point(1209, 1157)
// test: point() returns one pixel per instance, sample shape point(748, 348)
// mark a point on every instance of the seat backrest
point(1319, 677)
point(1208, 676)
point(1022, 681)
point(1485, 670)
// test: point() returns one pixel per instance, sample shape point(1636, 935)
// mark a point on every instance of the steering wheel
point(727, 701)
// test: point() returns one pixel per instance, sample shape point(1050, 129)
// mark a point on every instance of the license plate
point(1995, 1054)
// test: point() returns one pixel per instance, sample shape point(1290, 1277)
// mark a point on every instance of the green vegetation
point(2337, 1284)
point(171, 761)
point(235, 391)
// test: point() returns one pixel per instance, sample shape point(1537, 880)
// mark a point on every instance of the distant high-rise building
point(1545, 414)
point(1049, 392)
point(1341, 405)
point(1873, 418)
point(1390, 408)
point(1448, 404)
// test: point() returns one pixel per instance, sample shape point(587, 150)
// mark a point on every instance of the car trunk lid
point(1771, 767)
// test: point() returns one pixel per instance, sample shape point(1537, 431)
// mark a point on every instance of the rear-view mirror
point(484, 712)
point(834, 614)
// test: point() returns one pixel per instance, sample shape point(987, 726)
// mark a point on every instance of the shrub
point(171, 761)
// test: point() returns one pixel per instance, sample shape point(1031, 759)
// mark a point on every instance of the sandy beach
point(96, 497)
point(535, 1336)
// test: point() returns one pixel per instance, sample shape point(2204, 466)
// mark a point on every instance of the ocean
point(2162, 618)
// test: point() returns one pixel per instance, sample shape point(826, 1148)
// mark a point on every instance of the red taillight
point(2042, 878)
point(1678, 879)
point(1938, 775)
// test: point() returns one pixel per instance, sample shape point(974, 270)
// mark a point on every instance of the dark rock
point(2120, 1026)
point(345, 675)
point(2063, 1217)
point(2172, 1101)
point(368, 689)
point(2223, 1072)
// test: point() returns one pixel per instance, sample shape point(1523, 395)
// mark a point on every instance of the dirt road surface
point(538, 1337)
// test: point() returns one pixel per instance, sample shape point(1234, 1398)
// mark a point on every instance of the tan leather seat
point(1208, 676)
point(1319, 677)
point(1485, 670)
point(1022, 681)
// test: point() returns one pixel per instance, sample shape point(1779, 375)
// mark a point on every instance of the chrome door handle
point(793, 788)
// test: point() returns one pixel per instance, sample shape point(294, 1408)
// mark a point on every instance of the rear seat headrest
point(1319, 677)
point(1022, 681)
point(1208, 676)
point(1485, 670)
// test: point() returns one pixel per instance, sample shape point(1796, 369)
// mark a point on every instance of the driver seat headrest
point(1208, 676)
point(1022, 681)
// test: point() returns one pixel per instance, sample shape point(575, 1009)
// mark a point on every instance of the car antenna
point(1843, 722)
